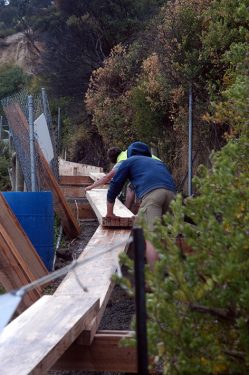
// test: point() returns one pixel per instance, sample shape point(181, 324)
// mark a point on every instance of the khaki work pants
point(154, 205)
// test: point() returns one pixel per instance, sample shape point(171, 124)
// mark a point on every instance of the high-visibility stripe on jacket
point(122, 156)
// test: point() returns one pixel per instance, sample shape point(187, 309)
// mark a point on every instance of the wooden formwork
point(106, 353)
point(68, 168)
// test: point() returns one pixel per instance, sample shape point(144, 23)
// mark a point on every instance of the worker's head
point(138, 148)
point(113, 153)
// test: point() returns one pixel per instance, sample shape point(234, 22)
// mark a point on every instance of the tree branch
point(218, 313)
point(235, 354)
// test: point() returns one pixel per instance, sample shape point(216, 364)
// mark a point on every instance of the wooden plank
point(68, 221)
point(97, 199)
point(34, 341)
point(69, 168)
point(75, 180)
point(21, 241)
point(96, 275)
point(87, 336)
point(105, 354)
point(95, 176)
point(19, 125)
point(14, 272)
point(75, 191)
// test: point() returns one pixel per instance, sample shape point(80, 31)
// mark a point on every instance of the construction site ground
point(120, 308)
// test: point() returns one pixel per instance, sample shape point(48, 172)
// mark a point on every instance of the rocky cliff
point(20, 49)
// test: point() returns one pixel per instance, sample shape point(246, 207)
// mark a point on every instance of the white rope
point(56, 274)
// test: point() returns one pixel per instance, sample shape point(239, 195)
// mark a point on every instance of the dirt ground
point(120, 308)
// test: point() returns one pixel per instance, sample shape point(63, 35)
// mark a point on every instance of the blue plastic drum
point(34, 210)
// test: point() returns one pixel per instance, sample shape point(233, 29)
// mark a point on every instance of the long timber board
point(96, 275)
point(75, 180)
point(34, 341)
point(97, 199)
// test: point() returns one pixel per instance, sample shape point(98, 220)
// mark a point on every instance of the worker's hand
point(88, 188)
point(112, 216)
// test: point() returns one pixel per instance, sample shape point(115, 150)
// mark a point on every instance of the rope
point(56, 274)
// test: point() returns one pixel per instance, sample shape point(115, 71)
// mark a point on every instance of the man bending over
point(153, 185)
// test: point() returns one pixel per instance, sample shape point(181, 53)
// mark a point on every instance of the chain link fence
point(20, 138)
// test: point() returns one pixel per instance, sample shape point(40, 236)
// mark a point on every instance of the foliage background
point(122, 72)
point(141, 58)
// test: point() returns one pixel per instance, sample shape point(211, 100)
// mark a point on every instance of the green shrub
point(4, 164)
point(199, 313)
point(12, 79)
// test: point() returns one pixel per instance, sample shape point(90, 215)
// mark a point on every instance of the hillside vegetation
point(141, 58)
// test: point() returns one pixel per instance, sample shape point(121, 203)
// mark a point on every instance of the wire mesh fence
point(16, 107)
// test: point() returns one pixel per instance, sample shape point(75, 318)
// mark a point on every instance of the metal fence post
point(141, 330)
point(58, 129)
point(190, 131)
point(31, 142)
point(44, 108)
point(1, 126)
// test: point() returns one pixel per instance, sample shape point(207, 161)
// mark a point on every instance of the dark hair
point(113, 153)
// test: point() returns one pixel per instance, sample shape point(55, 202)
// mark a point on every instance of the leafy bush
point(198, 308)
point(4, 164)
point(12, 79)
point(141, 92)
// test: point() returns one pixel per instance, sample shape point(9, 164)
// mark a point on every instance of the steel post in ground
point(58, 129)
point(190, 131)
point(1, 126)
point(19, 176)
point(31, 142)
point(141, 329)
point(44, 107)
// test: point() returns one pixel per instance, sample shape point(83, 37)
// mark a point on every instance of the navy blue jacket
point(144, 172)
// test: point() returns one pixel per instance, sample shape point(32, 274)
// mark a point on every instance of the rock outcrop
point(21, 50)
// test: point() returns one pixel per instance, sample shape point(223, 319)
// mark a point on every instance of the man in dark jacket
point(153, 185)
